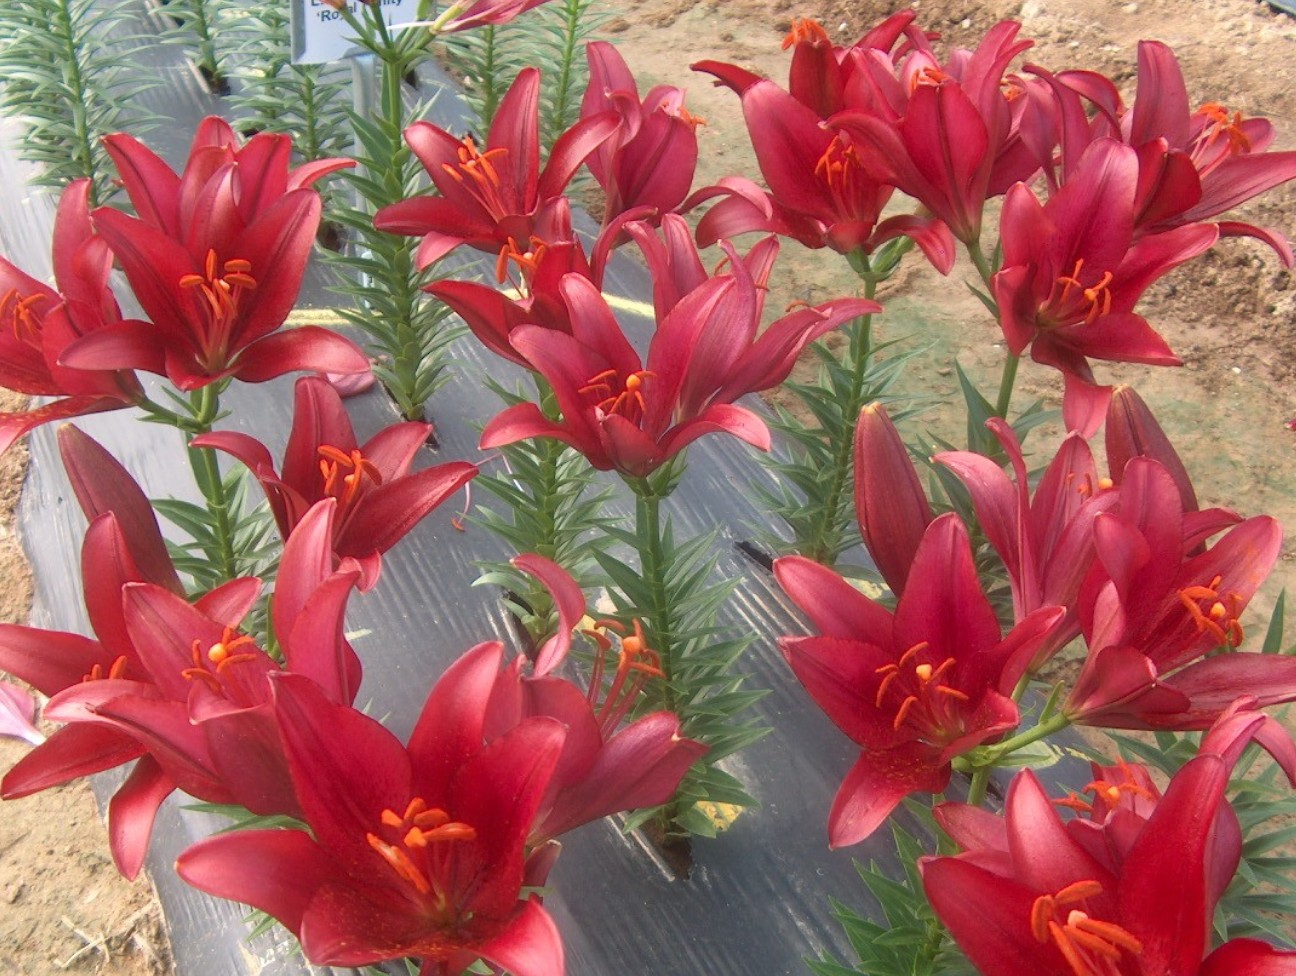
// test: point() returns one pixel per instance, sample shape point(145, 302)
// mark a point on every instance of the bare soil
point(63, 906)
point(1231, 316)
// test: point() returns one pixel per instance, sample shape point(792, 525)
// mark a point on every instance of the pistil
point(115, 670)
point(1214, 611)
point(636, 663)
point(222, 655)
point(840, 171)
point(805, 30)
point(629, 401)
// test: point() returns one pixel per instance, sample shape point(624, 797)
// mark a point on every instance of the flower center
point(1090, 946)
point(1072, 302)
point(840, 171)
point(527, 261)
point(344, 477)
point(1088, 486)
point(217, 294)
point(1112, 794)
point(20, 315)
point(616, 396)
point(805, 30)
point(636, 663)
point(928, 76)
point(1215, 612)
point(416, 848)
point(212, 665)
point(921, 692)
point(1222, 136)
point(476, 172)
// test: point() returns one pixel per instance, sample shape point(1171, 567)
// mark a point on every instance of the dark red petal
point(834, 606)
point(131, 813)
point(71, 752)
point(277, 871)
point(876, 785)
point(309, 347)
point(101, 485)
point(450, 727)
point(529, 946)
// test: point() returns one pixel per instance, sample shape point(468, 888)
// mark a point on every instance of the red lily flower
point(604, 768)
point(1028, 896)
point(823, 76)
point(1132, 431)
point(942, 133)
point(466, 14)
point(416, 851)
point(651, 160)
point(916, 687)
point(1070, 280)
point(379, 500)
point(493, 197)
point(38, 323)
point(1154, 607)
point(216, 259)
point(195, 694)
point(1193, 165)
point(1046, 543)
point(122, 545)
point(622, 413)
point(492, 315)
point(890, 502)
point(1124, 796)
point(820, 192)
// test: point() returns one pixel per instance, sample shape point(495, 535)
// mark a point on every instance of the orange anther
point(400, 862)
point(1089, 945)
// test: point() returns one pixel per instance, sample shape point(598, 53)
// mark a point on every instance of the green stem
point(827, 530)
point(993, 755)
point(79, 100)
point(572, 10)
point(206, 407)
point(206, 43)
point(1006, 382)
point(982, 263)
point(396, 57)
point(653, 565)
point(1009, 375)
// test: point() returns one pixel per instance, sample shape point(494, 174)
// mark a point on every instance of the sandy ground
point(1231, 316)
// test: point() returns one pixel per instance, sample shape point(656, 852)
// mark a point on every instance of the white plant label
point(320, 35)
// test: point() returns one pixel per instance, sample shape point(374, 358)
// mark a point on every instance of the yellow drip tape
point(327, 317)
point(631, 305)
point(330, 317)
point(869, 588)
point(722, 815)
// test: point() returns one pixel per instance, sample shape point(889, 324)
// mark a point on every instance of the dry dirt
point(1231, 316)
point(63, 906)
